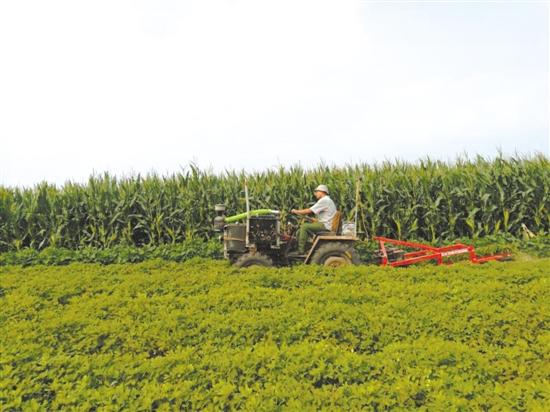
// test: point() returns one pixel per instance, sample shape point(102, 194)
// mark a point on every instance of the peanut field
point(202, 335)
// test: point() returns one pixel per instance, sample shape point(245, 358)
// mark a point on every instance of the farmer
point(324, 209)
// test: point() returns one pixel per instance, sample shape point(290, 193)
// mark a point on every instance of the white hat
point(321, 188)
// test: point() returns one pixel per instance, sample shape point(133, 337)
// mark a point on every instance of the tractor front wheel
point(253, 259)
point(335, 254)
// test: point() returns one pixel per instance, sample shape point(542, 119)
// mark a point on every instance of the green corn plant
point(427, 200)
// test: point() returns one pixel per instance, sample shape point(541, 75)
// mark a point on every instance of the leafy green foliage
point(188, 249)
point(202, 335)
point(197, 248)
point(430, 200)
point(536, 247)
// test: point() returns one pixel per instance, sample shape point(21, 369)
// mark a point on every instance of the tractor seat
point(336, 226)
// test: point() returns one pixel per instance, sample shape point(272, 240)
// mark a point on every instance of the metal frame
point(247, 199)
point(426, 252)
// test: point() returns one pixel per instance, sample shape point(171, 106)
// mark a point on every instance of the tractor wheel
point(253, 259)
point(335, 254)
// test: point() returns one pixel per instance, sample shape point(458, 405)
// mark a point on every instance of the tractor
point(256, 238)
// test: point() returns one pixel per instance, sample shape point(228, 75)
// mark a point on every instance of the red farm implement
point(421, 252)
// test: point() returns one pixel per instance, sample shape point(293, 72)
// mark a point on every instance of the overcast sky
point(136, 86)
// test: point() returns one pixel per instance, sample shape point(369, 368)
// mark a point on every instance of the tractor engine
point(264, 231)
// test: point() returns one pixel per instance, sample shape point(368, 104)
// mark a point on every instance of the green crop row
point(203, 335)
point(197, 248)
point(55, 256)
point(428, 200)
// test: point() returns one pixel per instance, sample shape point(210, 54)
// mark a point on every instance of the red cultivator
point(391, 256)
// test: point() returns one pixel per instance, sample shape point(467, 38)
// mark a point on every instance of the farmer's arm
point(301, 211)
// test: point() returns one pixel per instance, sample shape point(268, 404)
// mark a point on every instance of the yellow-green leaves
point(203, 336)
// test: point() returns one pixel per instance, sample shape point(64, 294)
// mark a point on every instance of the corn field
point(428, 200)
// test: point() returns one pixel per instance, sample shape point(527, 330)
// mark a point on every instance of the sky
point(153, 85)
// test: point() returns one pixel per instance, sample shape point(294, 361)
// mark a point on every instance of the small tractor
point(256, 238)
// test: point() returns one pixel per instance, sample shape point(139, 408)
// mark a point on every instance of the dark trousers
point(307, 230)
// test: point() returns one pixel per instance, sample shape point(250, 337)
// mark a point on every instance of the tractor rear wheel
point(335, 254)
point(253, 259)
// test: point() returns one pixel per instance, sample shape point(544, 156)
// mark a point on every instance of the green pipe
point(241, 216)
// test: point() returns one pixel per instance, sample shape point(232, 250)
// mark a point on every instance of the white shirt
point(324, 209)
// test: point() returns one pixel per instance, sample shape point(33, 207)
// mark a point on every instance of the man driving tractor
point(324, 209)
